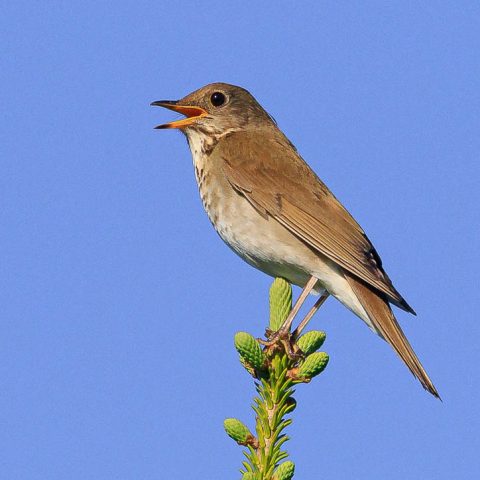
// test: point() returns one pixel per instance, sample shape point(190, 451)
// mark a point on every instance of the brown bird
point(272, 210)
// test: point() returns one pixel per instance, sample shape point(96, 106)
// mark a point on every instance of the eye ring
point(218, 99)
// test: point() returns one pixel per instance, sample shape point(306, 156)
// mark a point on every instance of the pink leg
point(310, 314)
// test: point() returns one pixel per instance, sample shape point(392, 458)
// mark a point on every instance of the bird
point(272, 209)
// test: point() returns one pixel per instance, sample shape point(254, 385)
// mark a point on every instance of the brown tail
point(386, 324)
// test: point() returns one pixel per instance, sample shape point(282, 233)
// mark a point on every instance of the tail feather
point(384, 321)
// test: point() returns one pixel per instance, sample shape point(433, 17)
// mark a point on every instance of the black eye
point(217, 99)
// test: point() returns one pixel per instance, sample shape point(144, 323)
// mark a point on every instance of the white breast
point(262, 242)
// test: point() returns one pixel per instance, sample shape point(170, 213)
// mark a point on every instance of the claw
point(282, 340)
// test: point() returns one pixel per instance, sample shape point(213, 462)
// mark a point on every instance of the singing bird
point(271, 209)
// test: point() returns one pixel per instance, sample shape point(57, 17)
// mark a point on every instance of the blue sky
point(119, 301)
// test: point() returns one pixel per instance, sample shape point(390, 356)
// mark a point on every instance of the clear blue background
point(119, 302)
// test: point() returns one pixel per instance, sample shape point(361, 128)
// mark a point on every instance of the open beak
point(191, 112)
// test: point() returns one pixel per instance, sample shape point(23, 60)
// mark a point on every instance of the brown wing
point(277, 181)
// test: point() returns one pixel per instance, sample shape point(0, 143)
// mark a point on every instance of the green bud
point(284, 471)
point(237, 430)
point(250, 350)
point(280, 302)
point(247, 367)
point(313, 365)
point(248, 476)
point(311, 341)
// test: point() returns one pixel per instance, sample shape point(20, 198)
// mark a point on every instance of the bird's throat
point(201, 145)
point(200, 142)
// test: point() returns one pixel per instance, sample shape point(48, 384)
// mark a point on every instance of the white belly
point(263, 242)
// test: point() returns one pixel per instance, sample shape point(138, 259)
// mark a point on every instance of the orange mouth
point(191, 112)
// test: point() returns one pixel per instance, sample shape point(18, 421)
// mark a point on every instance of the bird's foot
point(282, 340)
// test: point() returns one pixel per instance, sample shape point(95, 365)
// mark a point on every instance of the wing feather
point(278, 182)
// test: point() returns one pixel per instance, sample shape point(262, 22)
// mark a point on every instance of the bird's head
point(216, 109)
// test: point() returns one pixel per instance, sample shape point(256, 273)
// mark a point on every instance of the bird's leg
point(282, 335)
point(296, 333)
point(298, 304)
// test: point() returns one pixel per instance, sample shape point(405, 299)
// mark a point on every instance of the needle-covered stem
point(276, 371)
